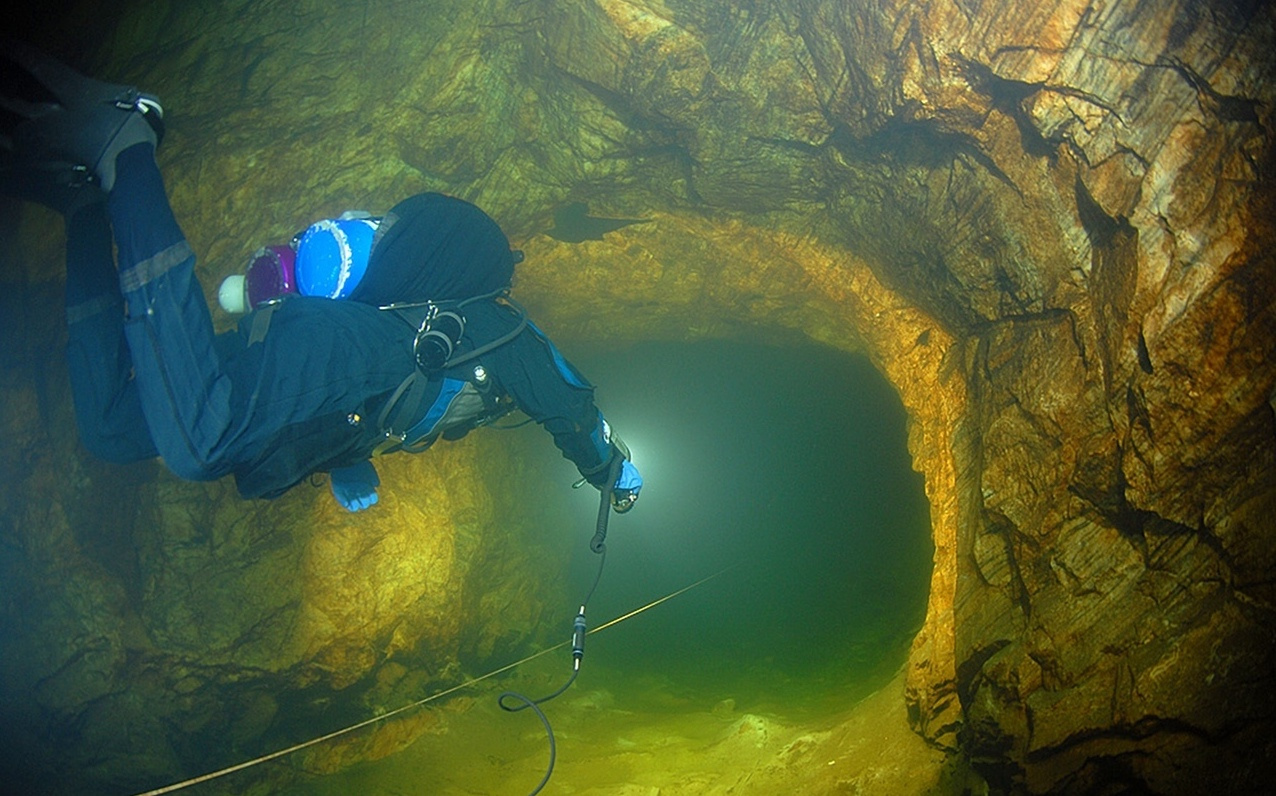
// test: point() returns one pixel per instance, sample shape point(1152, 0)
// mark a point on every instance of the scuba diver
point(380, 334)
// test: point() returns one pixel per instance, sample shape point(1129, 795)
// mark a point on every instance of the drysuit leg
point(108, 409)
point(184, 392)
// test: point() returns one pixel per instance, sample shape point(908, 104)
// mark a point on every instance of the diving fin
point(76, 120)
point(61, 186)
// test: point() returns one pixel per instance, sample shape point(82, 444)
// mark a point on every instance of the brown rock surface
point(1049, 224)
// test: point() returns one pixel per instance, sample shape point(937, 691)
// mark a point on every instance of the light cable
point(176, 786)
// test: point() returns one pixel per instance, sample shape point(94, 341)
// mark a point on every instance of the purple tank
point(271, 274)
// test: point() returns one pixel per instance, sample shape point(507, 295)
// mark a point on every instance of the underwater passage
point(1049, 226)
point(315, 378)
point(792, 462)
point(802, 487)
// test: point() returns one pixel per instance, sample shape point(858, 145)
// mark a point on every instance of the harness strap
point(450, 304)
point(404, 406)
point(261, 323)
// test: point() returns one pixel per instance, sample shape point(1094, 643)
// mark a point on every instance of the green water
point(789, 465)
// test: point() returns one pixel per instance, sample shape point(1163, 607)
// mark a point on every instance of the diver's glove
point(625, 493)
point(355, 487)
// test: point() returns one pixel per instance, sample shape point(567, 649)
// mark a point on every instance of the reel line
point(176, 786)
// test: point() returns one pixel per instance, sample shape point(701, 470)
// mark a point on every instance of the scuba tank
point(328, 259)
point(333, 254)
point(271, 274)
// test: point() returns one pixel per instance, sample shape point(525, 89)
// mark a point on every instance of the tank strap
point(261, 323)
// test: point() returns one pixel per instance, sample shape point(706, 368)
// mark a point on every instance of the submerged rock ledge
point(1049, 225)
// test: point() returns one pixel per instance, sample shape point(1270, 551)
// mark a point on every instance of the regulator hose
point(599, 546)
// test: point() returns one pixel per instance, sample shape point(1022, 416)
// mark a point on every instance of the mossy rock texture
point(1049, 225)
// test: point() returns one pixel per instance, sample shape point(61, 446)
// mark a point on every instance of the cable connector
point(578, 639)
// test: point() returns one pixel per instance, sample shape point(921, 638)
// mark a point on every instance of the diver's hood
point(432, 247)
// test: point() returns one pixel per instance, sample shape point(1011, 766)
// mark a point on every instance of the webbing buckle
point(391, 442)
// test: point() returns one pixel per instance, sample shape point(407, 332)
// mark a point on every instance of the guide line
point(176, 786)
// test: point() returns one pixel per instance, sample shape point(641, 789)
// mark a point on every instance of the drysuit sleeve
point(549, 389)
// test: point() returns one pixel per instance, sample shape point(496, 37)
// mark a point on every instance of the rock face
point(1049, 224)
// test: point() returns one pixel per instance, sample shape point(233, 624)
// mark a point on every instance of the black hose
point(598, 545)
point(549, 731)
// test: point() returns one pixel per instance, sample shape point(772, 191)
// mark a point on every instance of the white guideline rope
point(186, 783)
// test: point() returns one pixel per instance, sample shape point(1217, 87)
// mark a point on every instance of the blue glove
point(625, 493)
point(355, 487)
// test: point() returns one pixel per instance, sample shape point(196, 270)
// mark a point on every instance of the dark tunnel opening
point(790, 464)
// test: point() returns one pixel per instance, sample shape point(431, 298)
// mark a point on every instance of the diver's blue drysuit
point(295, 391)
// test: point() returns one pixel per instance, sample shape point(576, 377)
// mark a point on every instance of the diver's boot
point(70, 118)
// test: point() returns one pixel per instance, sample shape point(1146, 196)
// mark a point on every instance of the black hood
point(432, 247)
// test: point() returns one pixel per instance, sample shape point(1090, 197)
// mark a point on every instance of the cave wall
point(1047, 223)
